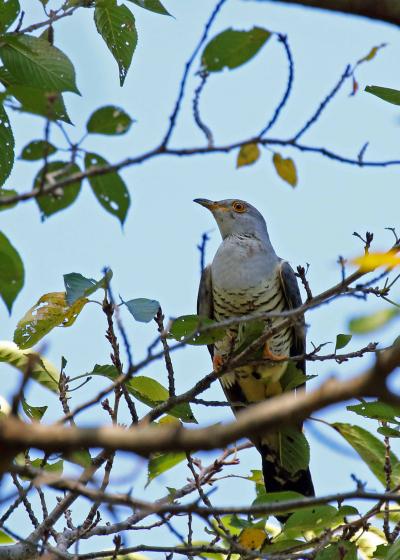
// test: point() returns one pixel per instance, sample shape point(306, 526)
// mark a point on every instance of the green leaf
point(61, 198)
point(7, 146)
point(5, 539)
point(51, 310)
point(33, 412)
point(142, 309)
point(342, 550)
point(277, 497)
point(12, 272)
point(368, 323)
point(248, 154)
point(394, 551)
point(35, 63)
point(294, 451)
point(187, 326)
point(80, 457)
point(54, 468)
point(159, 463)
point(77, 286)
point(116, 25)
point(37, 149)
point(152, 5)
point(109, 189)
point(6, 193)
point(387, 94)
point(376, 410)
point(9, 10)
point(109, 120)
point(342, 341)
point(43, 371)
point(316, 519)
point(369, 448)
point(293, 377)
point(282, 545)
point(33, 100)
point(389, 432)
point(148, 391)
point(233, 48)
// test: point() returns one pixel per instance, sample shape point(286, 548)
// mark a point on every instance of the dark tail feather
point(277, 479)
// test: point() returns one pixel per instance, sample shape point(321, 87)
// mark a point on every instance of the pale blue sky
point(155, 254)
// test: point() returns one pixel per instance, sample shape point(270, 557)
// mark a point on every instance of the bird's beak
point(209, 204)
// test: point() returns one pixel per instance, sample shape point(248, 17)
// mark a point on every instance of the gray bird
point(246, 276)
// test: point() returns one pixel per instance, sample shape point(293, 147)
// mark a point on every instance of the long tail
point(277, 479)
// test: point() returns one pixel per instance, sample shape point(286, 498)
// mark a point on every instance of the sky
point(154, 255)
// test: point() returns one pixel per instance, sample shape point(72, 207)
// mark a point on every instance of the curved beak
point(209, 204)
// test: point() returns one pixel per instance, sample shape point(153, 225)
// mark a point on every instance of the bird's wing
point(205, 305)
point(291, 291)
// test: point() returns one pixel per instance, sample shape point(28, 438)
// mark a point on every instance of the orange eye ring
point(239, 206)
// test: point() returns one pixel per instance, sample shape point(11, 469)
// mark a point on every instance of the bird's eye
point(238, 206)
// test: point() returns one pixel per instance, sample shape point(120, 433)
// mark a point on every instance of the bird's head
point(235, 216)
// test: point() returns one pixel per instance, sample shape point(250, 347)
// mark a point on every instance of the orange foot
point(269, 355)
point(218, 362)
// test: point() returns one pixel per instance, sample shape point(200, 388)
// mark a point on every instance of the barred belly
point(256, 382)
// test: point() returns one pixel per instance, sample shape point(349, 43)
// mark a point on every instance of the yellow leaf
point(50, 311)
point(248, 154)
point(253, 539)
point(285, 168)
point(371, 54)
point(371, 261)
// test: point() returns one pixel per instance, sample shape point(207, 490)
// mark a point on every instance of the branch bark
point(384, 10)
point(286, 409)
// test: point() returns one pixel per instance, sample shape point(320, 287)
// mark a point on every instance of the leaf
point(342, 550)
point(147, 390)
point(293, 377)
point(43, 371)
point(342, 341)
point(33, 412)
point(389, 432)
point(376, 410)
point(277, 497)
point(372, 53)
point(152, 5)
point(233, 48)
point(285, 168)
point(35, 63)
point(5, 539)
point(12, 274)
point(387, 94)
point(248, 154)
point(159, 463)
point(252, 538)
point(294, 451)
point(142, 309)
point(316, 519)
point(373, 322)
point(116, 25)
point(371, 261)
point(63, 197)
point(51, 310)
point(77, 286)
point(187, 327)
point(369, 448)
point(7, 146)
point(37, 149)
point(33, 100)
point(394, 551)
point(109, 120)
point(6, 193)
point(80, 457)
point(53, 468)
point(109, 189)
point(9, 10)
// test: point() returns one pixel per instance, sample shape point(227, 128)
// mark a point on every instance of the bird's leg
point(218, 362)
point(269, 355)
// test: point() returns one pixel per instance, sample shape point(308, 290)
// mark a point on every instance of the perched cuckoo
point(246, 276)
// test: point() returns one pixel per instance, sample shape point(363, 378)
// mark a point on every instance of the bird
point(246, 276)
